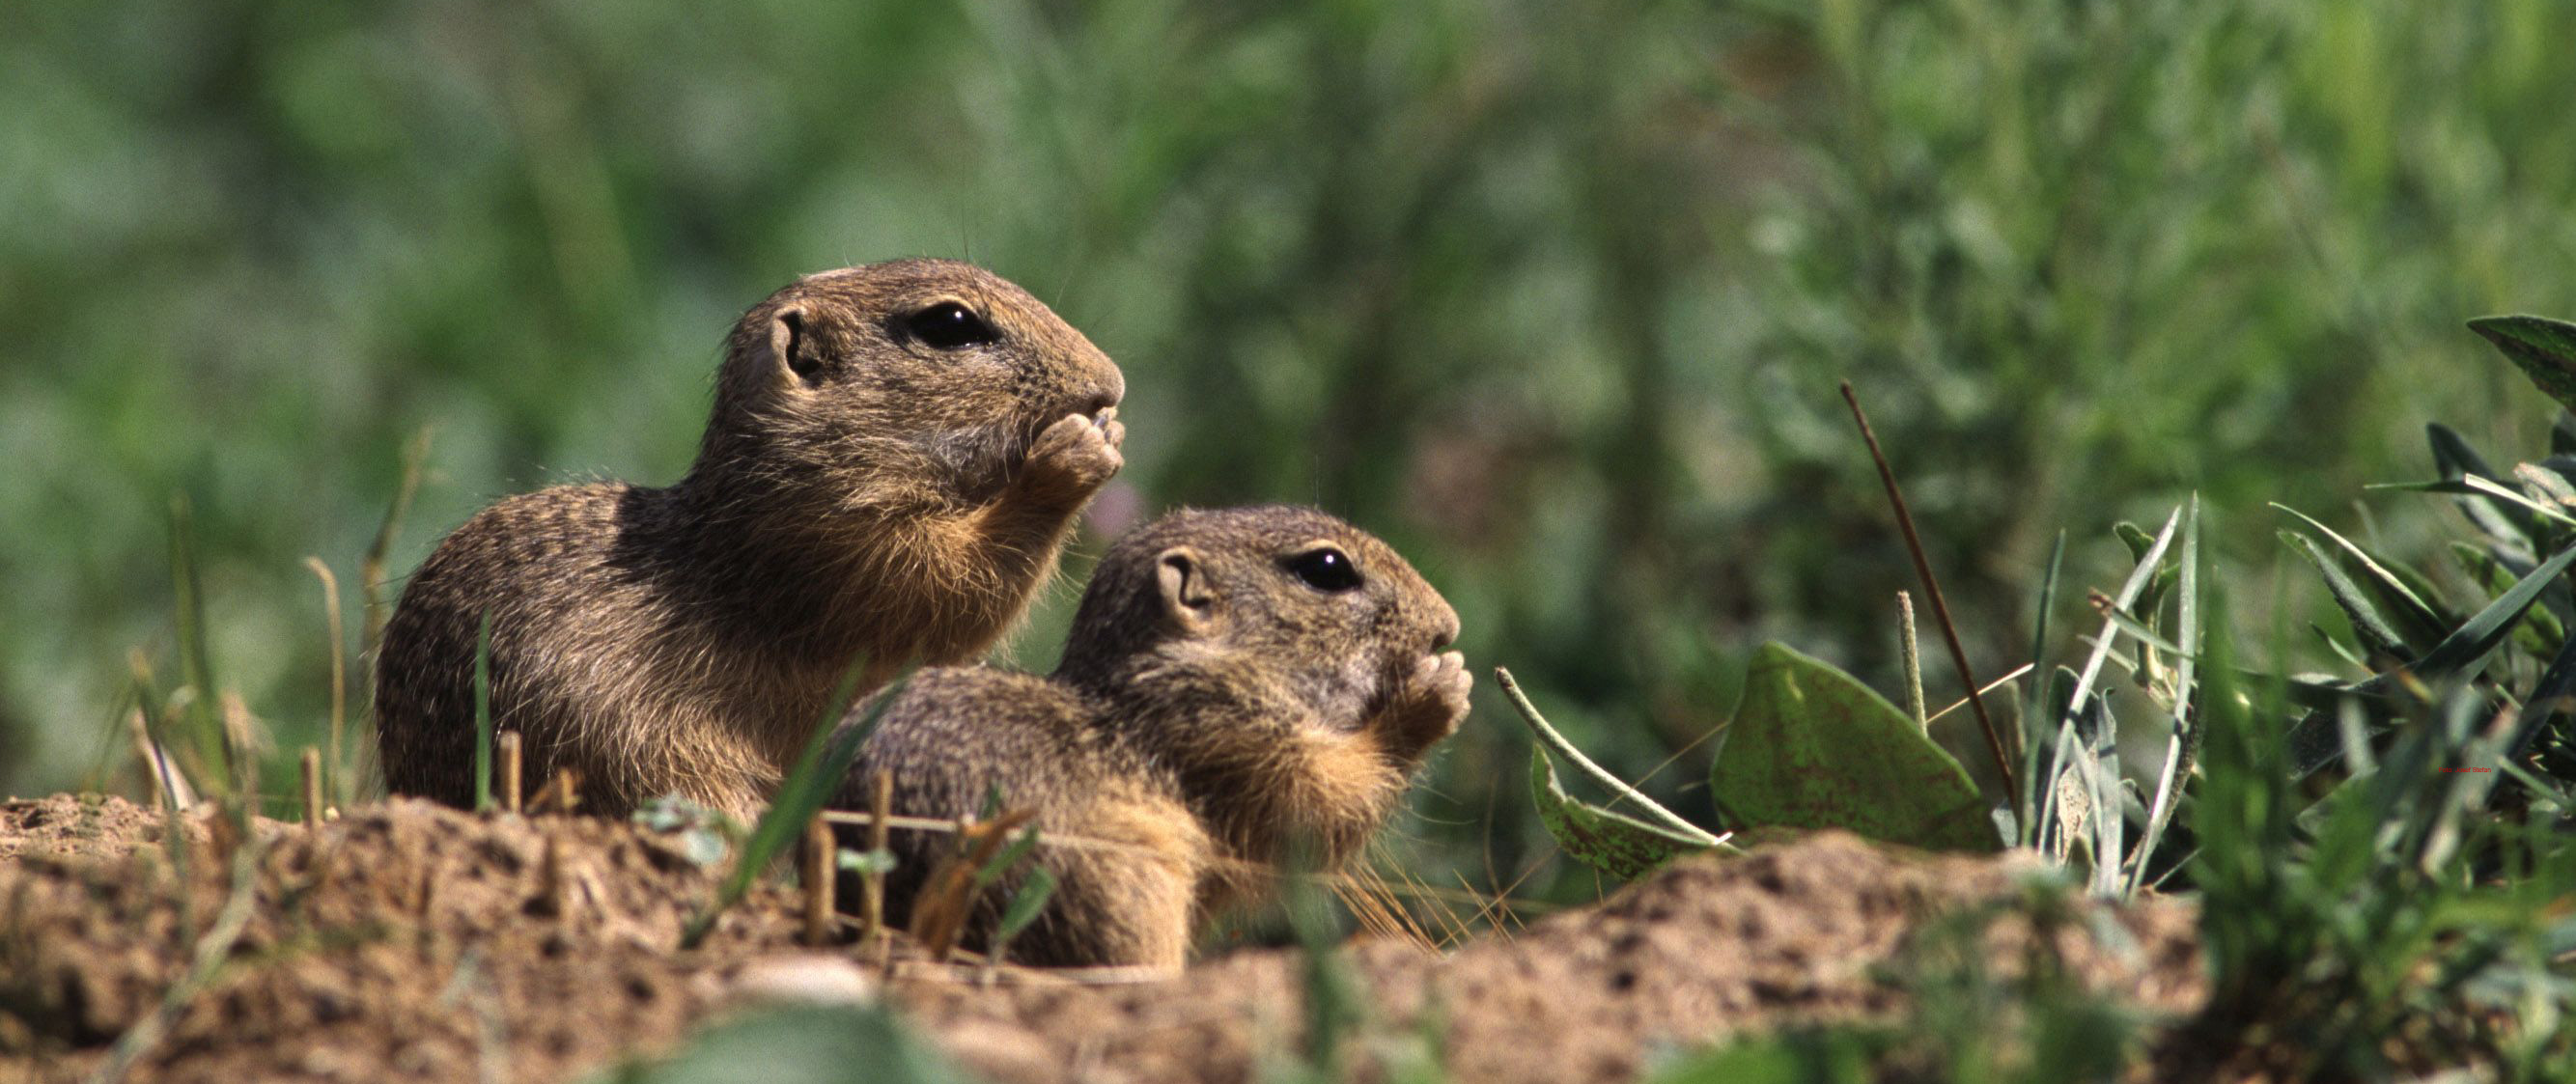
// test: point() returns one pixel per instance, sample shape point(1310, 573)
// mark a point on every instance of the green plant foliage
point(2544, 349)
point(798, 1045)
point(1812, 747)
point(1604, 839)
point(704, 834)
point(2366, 932)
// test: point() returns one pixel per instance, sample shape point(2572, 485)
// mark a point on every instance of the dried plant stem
point(559, 794)
point(819, 874)
point(371, 569)
point(872, 897)
point(513, 764)
point(339, 673)
point(312, 764)
point(168, 786)
point(1932, 590)
point(1911, 649)
point(1557, 744)
point(939, 914)
point(242, 737)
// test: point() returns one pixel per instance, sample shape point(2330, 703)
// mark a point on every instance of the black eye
point(1325, 569)
point(950, 326)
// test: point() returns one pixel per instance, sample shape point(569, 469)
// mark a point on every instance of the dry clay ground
point(411, 942)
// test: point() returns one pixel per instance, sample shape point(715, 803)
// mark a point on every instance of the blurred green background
point(1553, 295)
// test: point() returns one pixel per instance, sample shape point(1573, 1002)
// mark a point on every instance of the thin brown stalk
point(939, 913)
point(1932, 589)
point(1911, 650)
point(560, 794)
point(872, 896)
point(244, 736)
point(339, 674)
point(158, 773)
point(371, 570)
point(818, 882)
point(312, 765)
point(513, 764)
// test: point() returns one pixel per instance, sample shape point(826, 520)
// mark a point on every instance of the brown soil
point(409, 941)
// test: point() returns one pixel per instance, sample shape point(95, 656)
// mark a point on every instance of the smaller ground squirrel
point(1237, 683)
point(895, 456)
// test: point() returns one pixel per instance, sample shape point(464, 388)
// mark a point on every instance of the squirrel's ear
point(792, 349)
point(1189, 601)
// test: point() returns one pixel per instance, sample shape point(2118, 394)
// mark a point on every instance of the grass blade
point(2413, 612)
point(2471, 642)
point(2037, 707)
point(2458, 462)
point(2377, 636)
point(2554, 694)
point(336, 783)
point(2183, 744)
point(2129, 590)
point(808, 785)
point(214, 748)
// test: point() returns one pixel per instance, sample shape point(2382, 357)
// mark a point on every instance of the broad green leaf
point(1614, 843)
point(2543, 348)
point(1812, 747)
point(811, 1044)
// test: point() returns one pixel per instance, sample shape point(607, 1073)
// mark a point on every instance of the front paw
point(1432, 702)
point(1074, 457)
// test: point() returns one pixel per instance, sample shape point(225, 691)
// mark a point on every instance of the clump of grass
point(205, 729)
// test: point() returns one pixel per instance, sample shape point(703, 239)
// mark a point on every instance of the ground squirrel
point(1236, 681)
point(896, 453)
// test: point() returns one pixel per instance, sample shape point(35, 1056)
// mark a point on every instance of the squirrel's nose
point(1108, 387)
point(1446, 632)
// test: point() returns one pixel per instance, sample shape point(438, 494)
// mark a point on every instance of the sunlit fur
point(1206, 745)
point(878, 498)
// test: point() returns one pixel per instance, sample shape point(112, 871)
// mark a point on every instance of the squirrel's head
point(935, 372)
point(1279, 591)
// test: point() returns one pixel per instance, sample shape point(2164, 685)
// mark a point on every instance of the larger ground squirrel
point(1237, 683)
point(896, 454)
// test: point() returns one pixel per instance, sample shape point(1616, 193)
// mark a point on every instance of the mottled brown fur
point(861, 492)
point(1213, 710)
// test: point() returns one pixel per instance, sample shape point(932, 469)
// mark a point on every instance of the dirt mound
point(405, 939)
point(413, 941)
point(1701, 950)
